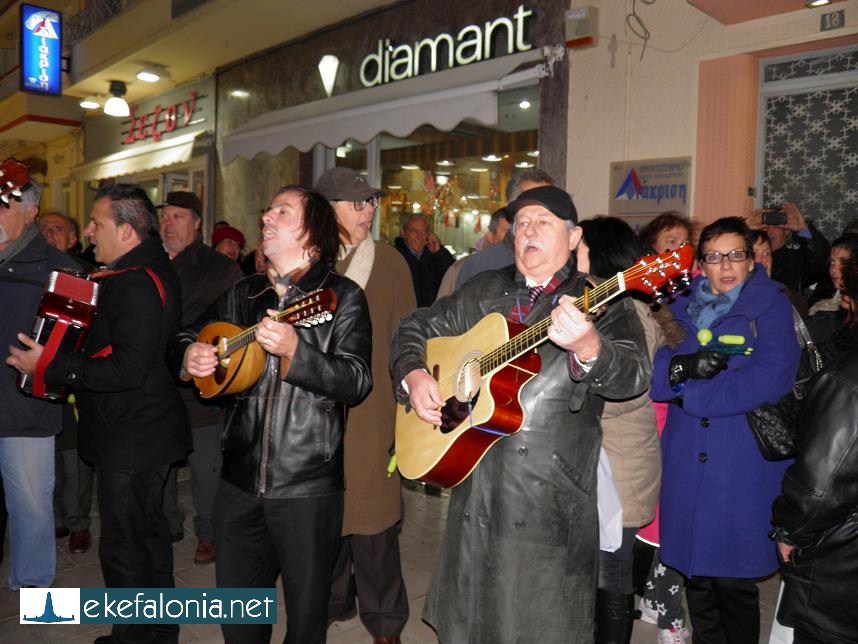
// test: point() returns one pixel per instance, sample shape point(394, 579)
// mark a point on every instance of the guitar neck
point(536, 334)
point(244, 338)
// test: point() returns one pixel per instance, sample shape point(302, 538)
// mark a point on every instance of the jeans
point(27, 467)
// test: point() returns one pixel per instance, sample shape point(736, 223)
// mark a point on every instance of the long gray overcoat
point(518, 560)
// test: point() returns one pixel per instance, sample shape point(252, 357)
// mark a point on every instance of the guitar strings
point(538, 332)
point(244, 338)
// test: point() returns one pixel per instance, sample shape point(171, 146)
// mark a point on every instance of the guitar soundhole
point(454, 412)
point(220, 370)
point(219, 374)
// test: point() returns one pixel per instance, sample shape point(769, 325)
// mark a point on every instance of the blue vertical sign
point(41, 50)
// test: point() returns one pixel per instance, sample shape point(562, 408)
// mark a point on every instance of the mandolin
point(241, 358)
point(481, 379)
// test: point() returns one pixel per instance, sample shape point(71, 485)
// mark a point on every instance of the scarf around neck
point(19, 244)
point(708, 306)
point(362, 259)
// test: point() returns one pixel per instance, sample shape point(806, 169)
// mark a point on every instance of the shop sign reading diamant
point(472, 44)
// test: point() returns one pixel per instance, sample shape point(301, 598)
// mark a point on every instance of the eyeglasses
point(718, 258)
point(372, 202)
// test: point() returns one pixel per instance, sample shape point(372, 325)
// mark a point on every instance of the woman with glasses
point(716, 487)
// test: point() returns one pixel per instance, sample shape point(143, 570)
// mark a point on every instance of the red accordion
point(61, 324)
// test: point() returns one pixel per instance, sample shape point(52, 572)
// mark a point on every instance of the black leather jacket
point(818, 510)
point(284, 436)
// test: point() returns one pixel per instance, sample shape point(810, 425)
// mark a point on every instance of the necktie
point(534, 292)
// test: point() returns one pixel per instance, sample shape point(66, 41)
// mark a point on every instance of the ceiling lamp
point(153, 73)
point(116, 105)
point(90, 103)
point(812, 4)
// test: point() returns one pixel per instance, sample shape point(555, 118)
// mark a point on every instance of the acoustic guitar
point(481, 374)
point(241, 359)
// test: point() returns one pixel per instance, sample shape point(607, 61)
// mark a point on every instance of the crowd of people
point(290, 477)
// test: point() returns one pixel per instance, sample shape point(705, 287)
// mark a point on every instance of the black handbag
point(775, 427)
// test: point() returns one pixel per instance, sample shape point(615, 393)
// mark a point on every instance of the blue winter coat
point(717, 490)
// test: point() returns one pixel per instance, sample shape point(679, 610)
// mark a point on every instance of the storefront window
point(455, 179)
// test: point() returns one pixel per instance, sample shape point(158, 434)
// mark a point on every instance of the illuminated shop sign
point(41, 50)
point(472, 44)
point(160, 121)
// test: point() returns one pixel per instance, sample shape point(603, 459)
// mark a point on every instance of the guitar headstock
point(13, 176)
point(670, 270)
point(315, 308)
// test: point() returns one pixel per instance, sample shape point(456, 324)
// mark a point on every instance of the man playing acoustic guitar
point(518, 561)
point(279, 507)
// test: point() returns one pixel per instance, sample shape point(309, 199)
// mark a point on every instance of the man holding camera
point(799, 251)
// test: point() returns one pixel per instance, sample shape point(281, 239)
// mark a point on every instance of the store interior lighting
point(153, 73)
point(116, 105)
point(525, 105)
point(90, 102)
point(813, 4)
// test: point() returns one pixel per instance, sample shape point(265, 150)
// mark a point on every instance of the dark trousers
point(803, 637)
point(723, 610)
point(368, 568)
point(615, 568)
point(135, 549)
point(73, 490)
point(259, 538)
point(174, 513)
point(205, 463)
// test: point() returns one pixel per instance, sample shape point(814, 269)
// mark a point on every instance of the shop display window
point(456, 179)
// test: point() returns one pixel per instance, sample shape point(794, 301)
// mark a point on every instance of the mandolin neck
point(248, 335)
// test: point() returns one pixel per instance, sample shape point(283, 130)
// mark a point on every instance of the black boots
point(614, 617)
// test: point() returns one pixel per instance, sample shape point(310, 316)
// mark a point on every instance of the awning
point(443, 99)
point(140, 159)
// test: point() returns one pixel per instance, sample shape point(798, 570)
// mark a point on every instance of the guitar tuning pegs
point(16, 192)
point(5, 199)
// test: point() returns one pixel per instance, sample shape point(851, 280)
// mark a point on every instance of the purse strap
point(805, 341)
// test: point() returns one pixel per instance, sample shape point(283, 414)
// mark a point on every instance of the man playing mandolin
point(518, 561)
point(279, 506)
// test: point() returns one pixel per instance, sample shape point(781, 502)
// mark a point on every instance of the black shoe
point(61, 532)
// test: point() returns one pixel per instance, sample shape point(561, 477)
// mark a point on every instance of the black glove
point(701, 366)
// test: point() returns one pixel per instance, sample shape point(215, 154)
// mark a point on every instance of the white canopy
point(443, 99)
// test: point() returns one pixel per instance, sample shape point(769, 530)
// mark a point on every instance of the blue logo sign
point(41, 50)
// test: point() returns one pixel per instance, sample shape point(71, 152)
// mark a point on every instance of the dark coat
point(803, 262)
point(525, 522)
point(717, 488)
point(818, 510)
point(427, 271)
point(22, 283)
point(204, 275)
point(131, 415)
point(284, 436)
